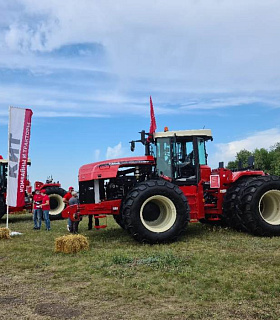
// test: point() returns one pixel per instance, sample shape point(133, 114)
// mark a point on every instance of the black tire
point(156, 211)
point(56, 195)
point(119, 219)
point(232, 214)
point(260, 206)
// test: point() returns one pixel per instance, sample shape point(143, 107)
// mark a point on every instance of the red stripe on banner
point(23, 158)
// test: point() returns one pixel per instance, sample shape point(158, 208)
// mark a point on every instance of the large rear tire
point(260, 206)
point(156, 211)
point(56, 195)
point(232, 215)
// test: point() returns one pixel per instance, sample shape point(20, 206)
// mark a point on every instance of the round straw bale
point(4, 233)
point(71, 243)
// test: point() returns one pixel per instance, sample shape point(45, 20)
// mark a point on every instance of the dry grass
point(211, 273)
point(72, 243)
point(4, 233)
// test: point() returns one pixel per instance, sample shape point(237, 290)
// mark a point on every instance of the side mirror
point(132, 146)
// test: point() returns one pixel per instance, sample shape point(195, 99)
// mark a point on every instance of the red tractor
point(3, 190)
point(54, 191)
point(154, 197)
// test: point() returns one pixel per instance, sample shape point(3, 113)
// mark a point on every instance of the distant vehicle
point(53, 189)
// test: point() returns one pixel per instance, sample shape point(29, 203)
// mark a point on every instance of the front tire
point(119, 220)
point(260, 205)
point(156, 211)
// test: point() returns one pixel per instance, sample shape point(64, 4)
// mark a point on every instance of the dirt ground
point(21, 300)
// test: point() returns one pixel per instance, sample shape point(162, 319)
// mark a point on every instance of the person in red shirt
point(46, 209)
point(66, 199)
point(37, 210)
point(68, 196)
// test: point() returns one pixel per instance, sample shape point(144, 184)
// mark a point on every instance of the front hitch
point(71, 212)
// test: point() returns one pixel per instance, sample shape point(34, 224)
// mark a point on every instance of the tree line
point(266, 160)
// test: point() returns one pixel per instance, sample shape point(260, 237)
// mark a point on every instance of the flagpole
point(8, 172)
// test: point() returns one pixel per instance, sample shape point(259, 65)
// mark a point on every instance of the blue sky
point(87, 68)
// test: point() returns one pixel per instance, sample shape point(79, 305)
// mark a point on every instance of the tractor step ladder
point(101, 226)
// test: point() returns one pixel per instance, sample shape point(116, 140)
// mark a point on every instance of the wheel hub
point(269, 207)
point(158, 213)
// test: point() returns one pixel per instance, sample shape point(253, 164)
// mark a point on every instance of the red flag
point(19, 137)
point(153, 124)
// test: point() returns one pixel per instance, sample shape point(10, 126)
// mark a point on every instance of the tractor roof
point(185, 133)
point(6, 161)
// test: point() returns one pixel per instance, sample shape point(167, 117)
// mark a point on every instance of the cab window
point(201, 151)
point(164, 157)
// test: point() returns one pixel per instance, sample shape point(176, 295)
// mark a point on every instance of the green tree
point(275, 147)
point(241, 156)
point(232, 165)
point(275, 159)
point(263, 159)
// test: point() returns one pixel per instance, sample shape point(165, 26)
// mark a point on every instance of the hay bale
point(71, 243)
point(4, 233)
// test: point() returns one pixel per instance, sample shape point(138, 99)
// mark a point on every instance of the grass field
point(211, 273)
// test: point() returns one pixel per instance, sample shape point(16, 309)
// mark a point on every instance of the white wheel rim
point(167, 214)
point(269, 207)
point(60, 204)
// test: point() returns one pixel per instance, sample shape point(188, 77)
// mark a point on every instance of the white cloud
point(229, 102)
point(22, 38)
point(115, 152)
point(181, 51)
point(206, 45)
point(227, 151)
point(97, 155)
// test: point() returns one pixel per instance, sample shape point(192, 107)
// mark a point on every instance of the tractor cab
point(180, 154)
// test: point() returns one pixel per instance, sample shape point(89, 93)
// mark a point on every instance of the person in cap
point(68, 196)
point(66, 199)
point(37, 210)
point(46, 209)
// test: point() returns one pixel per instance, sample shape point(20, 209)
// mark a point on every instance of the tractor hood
point(109, 168)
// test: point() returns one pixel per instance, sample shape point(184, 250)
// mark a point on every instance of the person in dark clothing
point(96, 221)
point(46, 209)
point(37, 210)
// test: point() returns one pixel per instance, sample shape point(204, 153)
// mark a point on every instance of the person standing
point(37, 210)
point(46, 209)
point(96, 220)
point(68, 196)
point(73, 226)
point(66, 199)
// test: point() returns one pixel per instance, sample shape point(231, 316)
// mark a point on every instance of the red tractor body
point(41, 185)
point(155, 196)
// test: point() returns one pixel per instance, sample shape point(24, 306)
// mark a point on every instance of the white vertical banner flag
point(18, 143)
